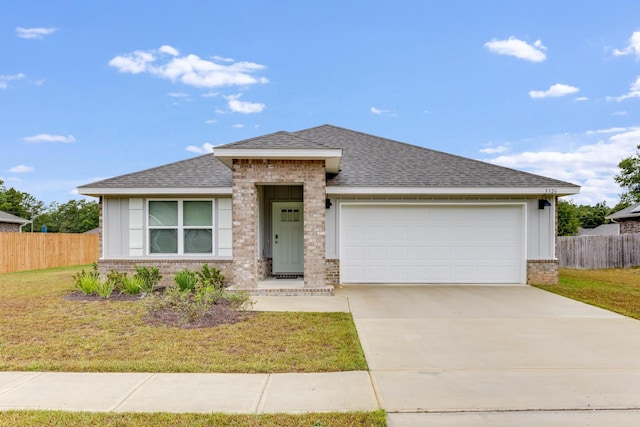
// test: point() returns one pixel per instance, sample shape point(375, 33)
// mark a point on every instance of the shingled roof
point(7, 217)
point(367, 161)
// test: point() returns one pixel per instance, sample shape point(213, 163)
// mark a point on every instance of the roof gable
point(11, 218)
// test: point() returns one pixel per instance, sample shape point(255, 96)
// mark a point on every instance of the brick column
point(244, 214)
point(314, 227)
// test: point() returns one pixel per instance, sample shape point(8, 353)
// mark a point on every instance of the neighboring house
point(601, 230)
point(12, 223)
point(336, 206)
point(628, 219)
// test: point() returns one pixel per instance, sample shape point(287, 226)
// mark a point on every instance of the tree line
point(74, 216)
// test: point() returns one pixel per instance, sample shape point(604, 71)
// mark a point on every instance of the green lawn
point(42, 331)
point(89, 419)
point(615, 289)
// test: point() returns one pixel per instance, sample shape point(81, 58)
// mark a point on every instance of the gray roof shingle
point(367, 161)
point(632, 211)
point(7, 217)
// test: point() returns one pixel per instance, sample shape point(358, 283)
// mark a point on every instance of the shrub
point(87, 284)
point(150, 277)
point(239, 300)
point(104, 288)
point(86, 281)
point(117, 279)
point(186, 280)
point(132, 285)
point(210, 277)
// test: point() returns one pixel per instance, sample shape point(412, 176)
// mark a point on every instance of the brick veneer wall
point(333, 271)
point(630, 226)
point(542, 272)
point(9, 227)
point(168, 268)
point(246, 174)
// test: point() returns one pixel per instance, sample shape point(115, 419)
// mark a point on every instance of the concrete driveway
point(482, 355)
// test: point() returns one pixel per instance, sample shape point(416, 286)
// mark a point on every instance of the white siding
point(224, 240)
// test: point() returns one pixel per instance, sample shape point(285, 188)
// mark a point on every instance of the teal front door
point(288, 238)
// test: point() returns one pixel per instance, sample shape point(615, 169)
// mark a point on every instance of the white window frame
point(180, 227)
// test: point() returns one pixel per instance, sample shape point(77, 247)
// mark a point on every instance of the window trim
point(180, 228)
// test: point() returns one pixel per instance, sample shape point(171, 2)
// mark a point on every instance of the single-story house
point(628, 219)
point(601, 230)
point(12, 223)
point(334, 206)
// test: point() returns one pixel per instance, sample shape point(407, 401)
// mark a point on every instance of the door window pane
point(163, 241)
point(198, 241)
point(197, 213)
point(163, 213)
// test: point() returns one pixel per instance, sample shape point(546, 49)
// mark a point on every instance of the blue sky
point(90, 90)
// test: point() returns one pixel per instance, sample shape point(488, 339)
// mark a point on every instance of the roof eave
point(331, 156)
point(461, 191)
point(153, 191)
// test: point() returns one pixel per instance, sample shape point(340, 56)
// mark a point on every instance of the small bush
point(117, 278)
point(210, 277)
point(132, 285)
point(87, 284)
point(86, 281)
point(186, 280)
point(150, 277)
point(104, 289)
point(239, 300)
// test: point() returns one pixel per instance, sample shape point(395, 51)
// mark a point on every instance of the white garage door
point(431, 243)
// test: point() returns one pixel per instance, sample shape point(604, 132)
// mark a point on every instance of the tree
point(593, 216)
point(19, 203)
point(629, 177)
point(75, 216)
point(568, 221)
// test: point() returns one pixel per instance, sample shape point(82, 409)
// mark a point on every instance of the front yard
point(40, 330)
point(615, 289)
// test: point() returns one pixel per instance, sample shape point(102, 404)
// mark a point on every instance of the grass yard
point(89, 419)
point(615, 289)
point(42, 331)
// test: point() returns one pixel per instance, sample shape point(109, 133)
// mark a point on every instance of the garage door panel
point(432, 244)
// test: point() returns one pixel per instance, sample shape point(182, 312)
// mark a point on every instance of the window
point(181, 227)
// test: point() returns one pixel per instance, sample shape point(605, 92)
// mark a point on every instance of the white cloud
point(21, 169)
point(6, 78)
point(495, 150)
point(244, 107)
point(620, 113)
point(222, 59)
point(169, 50)
point(238, 126)
point(632, 48)
point(178, 94)
point(518, 48)
point(203, 149)
point(45, 137)
point(190, 69)
point(581, 99)
point(211, 121)
point(634, 92)
point(34, 33)
point(378, 112)
point(584, 159)
point(210, 95)
point(554, 91)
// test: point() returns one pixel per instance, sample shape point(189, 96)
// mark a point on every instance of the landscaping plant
point(150, 277)
point(186, 280)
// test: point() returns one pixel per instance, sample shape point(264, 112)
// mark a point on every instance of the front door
point(288, 238)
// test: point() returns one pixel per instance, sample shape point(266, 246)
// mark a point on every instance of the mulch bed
point(219, 314)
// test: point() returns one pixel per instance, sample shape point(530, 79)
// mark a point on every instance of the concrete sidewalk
point(200, 393)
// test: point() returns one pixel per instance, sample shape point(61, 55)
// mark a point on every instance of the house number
point(550, 191)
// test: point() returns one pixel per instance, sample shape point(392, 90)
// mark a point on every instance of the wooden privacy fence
point(34, 251)
point(590, 252)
